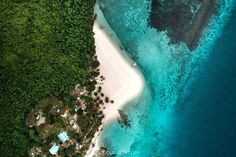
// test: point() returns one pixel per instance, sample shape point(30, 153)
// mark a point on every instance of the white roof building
point(54, 149)
point(63, 136)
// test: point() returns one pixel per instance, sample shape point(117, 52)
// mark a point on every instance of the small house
point(63, 136)
point(54, 149)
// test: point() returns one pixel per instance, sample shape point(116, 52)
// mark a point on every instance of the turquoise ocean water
point(167, 119)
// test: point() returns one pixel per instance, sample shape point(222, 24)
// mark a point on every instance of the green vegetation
point(46, 48)
point(52, 116)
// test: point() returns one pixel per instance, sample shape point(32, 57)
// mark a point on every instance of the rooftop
point(54, 149)
point(63, 136)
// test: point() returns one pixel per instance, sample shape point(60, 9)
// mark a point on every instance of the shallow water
point(167, 120)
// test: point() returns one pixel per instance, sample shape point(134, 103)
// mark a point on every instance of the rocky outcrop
point(123, 118)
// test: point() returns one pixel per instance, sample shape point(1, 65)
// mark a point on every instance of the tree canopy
point(45, 47)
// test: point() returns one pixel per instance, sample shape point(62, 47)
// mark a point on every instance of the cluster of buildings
point(55, 148)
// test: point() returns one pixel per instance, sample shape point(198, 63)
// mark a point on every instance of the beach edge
point(123, 81)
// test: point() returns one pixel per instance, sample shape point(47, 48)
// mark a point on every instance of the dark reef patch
point(183, 20)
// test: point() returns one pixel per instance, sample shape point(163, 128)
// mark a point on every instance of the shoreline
point(122, 83)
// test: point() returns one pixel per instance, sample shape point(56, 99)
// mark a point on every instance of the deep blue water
point(205, 122)
point(188, 104)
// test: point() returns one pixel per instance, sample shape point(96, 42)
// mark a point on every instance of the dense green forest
point(46, 46)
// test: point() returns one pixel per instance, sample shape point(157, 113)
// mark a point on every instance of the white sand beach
point(122, 81)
